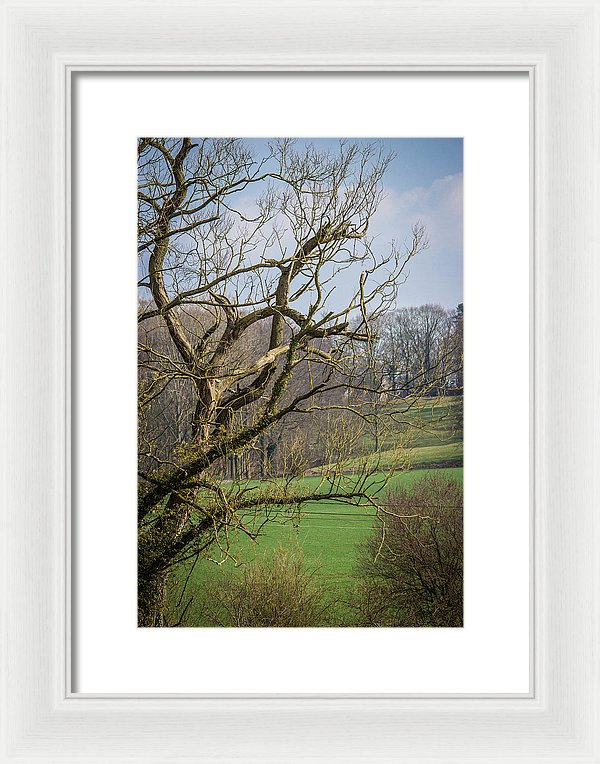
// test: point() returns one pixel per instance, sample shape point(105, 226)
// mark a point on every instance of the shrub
point(277, 590)
point(410, 571)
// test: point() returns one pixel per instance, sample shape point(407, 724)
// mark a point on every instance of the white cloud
point(436, 274)
point(439, 206)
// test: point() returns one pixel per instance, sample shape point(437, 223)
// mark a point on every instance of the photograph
point(300, 382)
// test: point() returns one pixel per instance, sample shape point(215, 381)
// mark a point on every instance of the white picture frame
point(44, 44)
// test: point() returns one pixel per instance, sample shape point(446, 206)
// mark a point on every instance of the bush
point(274, 591)
point(410, 570)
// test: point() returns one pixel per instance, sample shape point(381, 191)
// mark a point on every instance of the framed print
point(297, 402)
point(115, 661)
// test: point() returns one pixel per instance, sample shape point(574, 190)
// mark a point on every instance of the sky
point(424, 182)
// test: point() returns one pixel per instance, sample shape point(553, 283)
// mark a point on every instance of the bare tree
point(411, 568)
point(242, 327)
point(421, 349)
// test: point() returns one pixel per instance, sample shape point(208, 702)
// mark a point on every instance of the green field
point(328, 532)
point(439, 455)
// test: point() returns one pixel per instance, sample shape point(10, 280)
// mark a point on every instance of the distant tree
point(421, 349)
point(457, 333)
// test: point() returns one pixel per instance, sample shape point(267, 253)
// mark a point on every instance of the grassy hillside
point(429, 423)
point(427, 434)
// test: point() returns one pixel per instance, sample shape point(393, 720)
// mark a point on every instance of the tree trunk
point(152, 599)
point(158, 545)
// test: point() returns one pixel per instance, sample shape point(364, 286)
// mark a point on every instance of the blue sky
point(424, 182)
